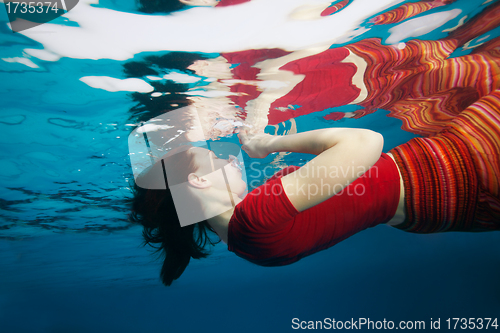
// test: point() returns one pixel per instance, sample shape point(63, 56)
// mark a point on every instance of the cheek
point(242, 188)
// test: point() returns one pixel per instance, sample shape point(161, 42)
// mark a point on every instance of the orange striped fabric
point(452, 179)
point(420, 85)
point(426, 116)
point(407, 11)
point(403, 12)
point(480, 24)
point(479, 127)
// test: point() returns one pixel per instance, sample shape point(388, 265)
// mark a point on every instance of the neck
point(220, 222)
point(215, 202)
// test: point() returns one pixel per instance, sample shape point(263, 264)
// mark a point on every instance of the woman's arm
point(343, 155)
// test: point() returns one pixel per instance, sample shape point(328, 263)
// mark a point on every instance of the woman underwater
point(446, 182)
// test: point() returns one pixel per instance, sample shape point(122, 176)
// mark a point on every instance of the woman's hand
point(256, 145)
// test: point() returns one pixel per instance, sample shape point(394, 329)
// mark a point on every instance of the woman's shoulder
point(267, 199)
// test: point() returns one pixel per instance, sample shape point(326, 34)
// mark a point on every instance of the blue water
point(71, 262)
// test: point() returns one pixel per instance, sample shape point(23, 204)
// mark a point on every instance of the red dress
point(267, 230)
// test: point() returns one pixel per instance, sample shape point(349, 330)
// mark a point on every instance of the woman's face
point(208, 163)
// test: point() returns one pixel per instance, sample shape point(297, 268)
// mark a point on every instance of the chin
point(243, 191)
point(240, 189)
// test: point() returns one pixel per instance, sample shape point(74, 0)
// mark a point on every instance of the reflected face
point(208, 164)
point(217, 68)
point(204, 3)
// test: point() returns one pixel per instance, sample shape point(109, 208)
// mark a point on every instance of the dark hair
point(155, 211)
point(159, 6)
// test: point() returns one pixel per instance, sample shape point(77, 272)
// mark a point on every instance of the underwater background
point(70, 260)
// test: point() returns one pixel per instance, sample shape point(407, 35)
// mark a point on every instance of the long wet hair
point(155, 211)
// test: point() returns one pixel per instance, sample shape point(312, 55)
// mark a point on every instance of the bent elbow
point(373, 138)
point(379, 139)
point(373, 143)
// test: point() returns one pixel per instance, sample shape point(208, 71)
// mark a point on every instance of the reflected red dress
point(327, 82)
point(225, 3)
